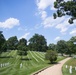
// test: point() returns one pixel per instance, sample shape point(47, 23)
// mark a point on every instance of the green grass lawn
point(30, 63)
point(71, 62)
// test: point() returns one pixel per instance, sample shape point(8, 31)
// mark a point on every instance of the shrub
point(51, 55)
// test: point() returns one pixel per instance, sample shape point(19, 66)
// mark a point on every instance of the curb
point(35, 73)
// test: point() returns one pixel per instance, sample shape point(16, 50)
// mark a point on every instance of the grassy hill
point(10, 63)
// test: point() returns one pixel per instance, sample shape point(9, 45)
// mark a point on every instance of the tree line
point(36, 43)
point(64, 47)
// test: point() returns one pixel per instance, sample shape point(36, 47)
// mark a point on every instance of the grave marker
point(21, 65)
point(1, 65)
point(66, 66)
point(75, 68)
point(70, 71)
point(70, 67)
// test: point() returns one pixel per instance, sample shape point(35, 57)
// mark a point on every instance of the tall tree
point(52, 46)
point(22, 47)
point(22, 42)
point(65, 8)
point(2, 41)
point(61, 46)
point(71, 46)
point(38, 43)
point(12, 43)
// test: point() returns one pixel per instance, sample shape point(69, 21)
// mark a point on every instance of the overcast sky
point(24, 18)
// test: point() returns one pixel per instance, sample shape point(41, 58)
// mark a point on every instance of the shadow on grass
point(6, 57)
point(53, 63)
point(25, 59)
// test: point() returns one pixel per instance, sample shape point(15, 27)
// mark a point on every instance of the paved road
point(54, 70)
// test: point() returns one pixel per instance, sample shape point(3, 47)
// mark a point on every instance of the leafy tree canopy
point(22, 47)
point(2, 41)
point(71, 46)
point(61, 46)
point(51, 55)
point(12, 42)
point(65, 8)
point(22, 42)
point(38, 43)
point(52, 46)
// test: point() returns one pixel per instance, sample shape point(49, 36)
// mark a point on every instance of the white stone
point(8, 63)
point(1, 65)
point(70, 71)
point(66, 66)
point(75, 68)
point(5, 64)
point(70, 67)
point(21, 65)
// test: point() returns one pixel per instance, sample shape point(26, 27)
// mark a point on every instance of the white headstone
point(70, 71)
point(21, 65)
point(5, 64)
point(8, 63)
point(66, 66)
point(75, 68)
point(70, 67)
point(1, 65)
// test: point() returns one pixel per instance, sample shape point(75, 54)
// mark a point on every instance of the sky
point(24, 18)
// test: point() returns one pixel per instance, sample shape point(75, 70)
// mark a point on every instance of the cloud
point(57, 38)
point(43, 4)
point(9, 23)
point(37, 26)
point(60, 23)
point(22, 29)
point(25, 35)
point(43, 15)
point(73, 32)
point(62, 28)
point(64, 25)
point(50, 22)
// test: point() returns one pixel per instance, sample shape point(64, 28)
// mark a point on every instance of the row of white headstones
point(70, 69)
point(4, 64)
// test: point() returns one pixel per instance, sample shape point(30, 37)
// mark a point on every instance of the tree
point(61, 46)
point(73, 39)
point(52, 46)
point(23, 42)
point(22, 50)
point(2, 41)
point(12, 43)
point(71, 46)
point(65, 8)
point(51, 55)
point(22, 47)
point(4, 47)
point(38, 43)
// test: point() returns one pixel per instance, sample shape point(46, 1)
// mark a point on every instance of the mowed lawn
point(71, 62)
point(32, 62)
